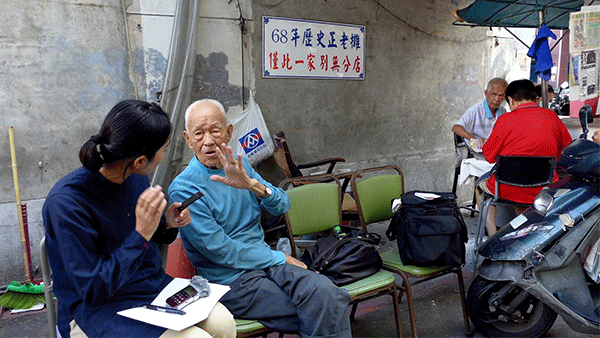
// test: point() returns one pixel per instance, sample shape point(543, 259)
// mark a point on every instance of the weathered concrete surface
point(421, 75)
point(63, 65)
point(50, 52)
point(437, 304)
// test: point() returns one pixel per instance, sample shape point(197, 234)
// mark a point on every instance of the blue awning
point(518, 13)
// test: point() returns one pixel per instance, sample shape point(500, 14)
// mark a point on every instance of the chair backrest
point(525, 171)
point(374, 194)
point(51, 306)
point(314, 207)
point(283, 157)
point(178, 263)
point(459, 142)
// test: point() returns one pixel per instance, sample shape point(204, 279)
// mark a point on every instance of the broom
point(26, 295)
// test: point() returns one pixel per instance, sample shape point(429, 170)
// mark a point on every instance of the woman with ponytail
point(103, 223)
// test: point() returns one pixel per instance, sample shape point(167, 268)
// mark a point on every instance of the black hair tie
point(96, 140)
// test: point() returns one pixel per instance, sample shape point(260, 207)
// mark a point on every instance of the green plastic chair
point(250, 328)
point(374, 189)
point(316, 207)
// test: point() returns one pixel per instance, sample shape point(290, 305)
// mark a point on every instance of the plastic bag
point(250, 137)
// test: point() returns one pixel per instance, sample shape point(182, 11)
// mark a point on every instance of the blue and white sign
point(251, 141)
point(312, 49)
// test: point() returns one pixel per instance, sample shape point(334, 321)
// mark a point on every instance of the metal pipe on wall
point(177, 86)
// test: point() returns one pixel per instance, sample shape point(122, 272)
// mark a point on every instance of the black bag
point(344, 259)
point(430, 232)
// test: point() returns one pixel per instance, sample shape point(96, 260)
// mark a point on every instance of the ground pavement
point(437, 304)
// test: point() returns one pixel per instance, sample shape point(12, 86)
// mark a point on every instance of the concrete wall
point(421, 74)
point(63, 65)
point(66, 63)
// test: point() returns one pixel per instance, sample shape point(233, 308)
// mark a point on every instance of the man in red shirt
point(527, 130)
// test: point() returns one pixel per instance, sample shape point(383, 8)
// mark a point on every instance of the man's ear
point(186, 138)
point(229, 132)
point(510, 102)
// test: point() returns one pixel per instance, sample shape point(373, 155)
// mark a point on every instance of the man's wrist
point(259, 189)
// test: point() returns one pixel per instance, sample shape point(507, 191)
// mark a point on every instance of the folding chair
point(373, 194)
point(284, 160)
point(51, 301)
point(316, 207)
point(459, 143)
point(517, 171)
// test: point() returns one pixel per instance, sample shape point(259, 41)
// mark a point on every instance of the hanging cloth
point(540, 51)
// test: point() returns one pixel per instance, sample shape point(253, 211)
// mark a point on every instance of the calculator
point(198, 288)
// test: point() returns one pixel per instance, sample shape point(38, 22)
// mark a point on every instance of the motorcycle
point(533, 267)
point(561, 103)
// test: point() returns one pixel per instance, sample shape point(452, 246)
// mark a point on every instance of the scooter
point(532, 268)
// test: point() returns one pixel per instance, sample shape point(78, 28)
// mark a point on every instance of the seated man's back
point(527, 130)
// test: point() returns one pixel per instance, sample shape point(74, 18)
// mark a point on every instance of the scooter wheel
point(531, 318)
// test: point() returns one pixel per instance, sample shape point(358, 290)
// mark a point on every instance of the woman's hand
point(176, 218)
point(148, 211)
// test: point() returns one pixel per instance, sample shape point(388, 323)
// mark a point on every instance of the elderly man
point(596, 136)
point(477, 122)
point(225, 241)
point(527, 130)
point(538, 92)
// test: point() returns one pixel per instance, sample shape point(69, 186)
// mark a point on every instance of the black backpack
point(430, 231)
point(344, 259)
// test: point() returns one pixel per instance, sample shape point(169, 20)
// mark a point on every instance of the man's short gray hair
point(199, 102)
point(496, 80)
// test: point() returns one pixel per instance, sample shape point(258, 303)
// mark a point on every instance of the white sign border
point(360, 76)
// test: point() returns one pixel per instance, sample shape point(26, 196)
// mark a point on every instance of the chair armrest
point(331, 161)
point(345, 179)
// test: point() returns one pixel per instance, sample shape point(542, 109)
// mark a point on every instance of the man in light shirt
point(477, 122)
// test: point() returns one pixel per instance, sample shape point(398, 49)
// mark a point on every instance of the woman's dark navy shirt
point(100, 264)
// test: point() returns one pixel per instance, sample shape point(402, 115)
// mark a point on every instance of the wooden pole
point(24, 248)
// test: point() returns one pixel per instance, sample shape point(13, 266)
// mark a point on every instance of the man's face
point(495, 96)
point(550, 98)
point(207, 129)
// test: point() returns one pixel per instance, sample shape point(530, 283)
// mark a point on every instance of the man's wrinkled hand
point(235, 174)
point(293, 261)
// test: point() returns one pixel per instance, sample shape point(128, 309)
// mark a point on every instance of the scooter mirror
point(564, 85)
point(585, 114)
